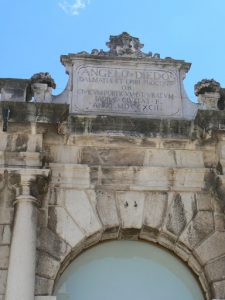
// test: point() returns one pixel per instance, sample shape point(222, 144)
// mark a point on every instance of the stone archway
point(184, 223)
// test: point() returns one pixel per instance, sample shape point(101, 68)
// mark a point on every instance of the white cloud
point(73, 8)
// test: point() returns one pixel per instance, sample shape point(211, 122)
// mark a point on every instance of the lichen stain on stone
point(7, 190)
point(200, 227)
point(9, 144)
point(14, 179)
point(210, 180)
point(176, 218)
point(194, 206)
point(21, 142)
point(214, 184)
point(52, 220)
point(1, 177)
point(174, 144)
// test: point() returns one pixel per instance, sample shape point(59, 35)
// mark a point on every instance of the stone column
point(21, 272)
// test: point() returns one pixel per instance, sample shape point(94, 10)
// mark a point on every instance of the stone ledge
point(135, 177)
point(45, 298)
point(131, 126)
point(21, 112)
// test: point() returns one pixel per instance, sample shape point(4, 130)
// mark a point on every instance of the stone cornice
point(124, 47)
point(22, 112)
point(70, 58)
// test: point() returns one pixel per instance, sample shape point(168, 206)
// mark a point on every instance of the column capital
point(27, 177)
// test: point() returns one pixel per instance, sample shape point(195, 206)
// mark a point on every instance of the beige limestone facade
point(89, 165)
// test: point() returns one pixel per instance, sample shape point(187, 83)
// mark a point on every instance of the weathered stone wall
point(117, 178)
point(112, 186)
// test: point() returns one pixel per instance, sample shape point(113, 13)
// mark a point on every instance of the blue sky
point(34, 33)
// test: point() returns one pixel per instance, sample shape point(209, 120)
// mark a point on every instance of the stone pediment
point(126, 81)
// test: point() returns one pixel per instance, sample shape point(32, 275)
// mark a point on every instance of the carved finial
point(41, 86)
point(207, 86)
point(210, 94)
point(43, 77)
point(124, 44)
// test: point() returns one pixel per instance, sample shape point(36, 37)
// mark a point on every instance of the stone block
point(4, 257)
point(45, 298)
point(204, 201)
point(189, 158)
point(174, 158)
point(176, 218)
point(81, 209)
point(62, 153)
point(198, 229)
point(47, 266)
point(182, 251)
point(50, 242)
point(181, 208)
point(43, 286)
point(6, 215)
point(42, 215)
point(175, 144)
point(113, 156)
point(149, 234)
point(70, 175)
point(3, 279)
point(213, 247)
point(216, 270)
point(5, 234)
point(210, 158)
point(160, 158)
point(204, 283)
point(21, 142)
point(219, 289)
point(219, 219)
point(137, 178)
point(150, 178)
point(22, 159)
point(155, 209)
point(107, 211)
point(92, 240)
point(57, 196)
point(131, 205)
point(195, 265)
point(167, 240)
point(62, 223)
point(188, 179)
point(189, 202)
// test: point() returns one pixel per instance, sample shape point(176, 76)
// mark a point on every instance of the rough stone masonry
point(122, 153)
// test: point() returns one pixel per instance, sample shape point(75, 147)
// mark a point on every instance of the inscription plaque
point(126, 90)
point(126, 81)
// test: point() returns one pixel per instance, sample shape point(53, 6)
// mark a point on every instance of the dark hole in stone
point(219, 168)
point(221, 103)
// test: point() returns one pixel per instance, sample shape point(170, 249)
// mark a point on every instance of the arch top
point(181, 222)
point(122, 269)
